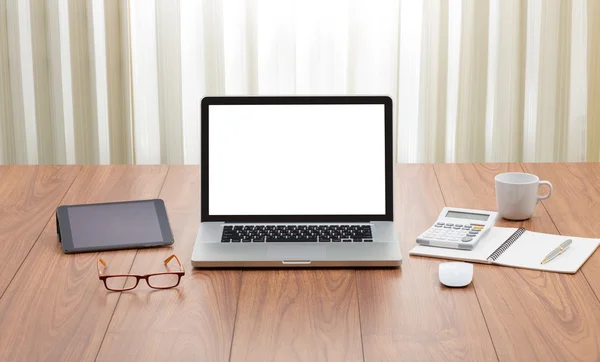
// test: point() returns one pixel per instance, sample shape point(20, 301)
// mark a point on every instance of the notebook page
point(484, 248)
point(531, 248)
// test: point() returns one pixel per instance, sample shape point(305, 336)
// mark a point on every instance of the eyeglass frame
point(137, 277)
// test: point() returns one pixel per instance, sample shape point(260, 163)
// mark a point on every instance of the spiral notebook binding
point(505, 245)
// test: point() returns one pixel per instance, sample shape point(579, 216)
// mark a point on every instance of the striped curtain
point(65, 94)
point(119, 81)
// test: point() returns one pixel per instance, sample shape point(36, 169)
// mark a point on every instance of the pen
point(556, 252)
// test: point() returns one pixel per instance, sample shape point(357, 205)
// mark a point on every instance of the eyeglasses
point(123, 282)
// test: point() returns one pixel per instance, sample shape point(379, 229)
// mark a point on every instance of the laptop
point(296, 182)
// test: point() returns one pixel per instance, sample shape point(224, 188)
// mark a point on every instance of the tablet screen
point(114, 224)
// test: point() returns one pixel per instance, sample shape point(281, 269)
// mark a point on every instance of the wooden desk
point(53, 307)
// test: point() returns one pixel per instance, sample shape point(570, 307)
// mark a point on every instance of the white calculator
point(458, 228)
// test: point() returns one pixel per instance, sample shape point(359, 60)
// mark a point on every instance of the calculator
point(458, 228)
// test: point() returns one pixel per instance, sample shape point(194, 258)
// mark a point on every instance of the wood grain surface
point(531, 315)
point(56, 309)
point(29, 196)
point(193, 322)
point(574, 205)
point(406, 314)
point(297, 315)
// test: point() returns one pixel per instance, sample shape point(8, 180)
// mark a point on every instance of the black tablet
point(115, 225)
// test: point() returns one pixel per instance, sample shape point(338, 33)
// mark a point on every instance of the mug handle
point(544, 197)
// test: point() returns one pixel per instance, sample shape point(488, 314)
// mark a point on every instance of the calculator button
point(448, 224)
point(475, 231)
point(478, 227)
point(439, 224)
point(472, 234)
point(466, 239)
point(466, 228)
point(457, 227)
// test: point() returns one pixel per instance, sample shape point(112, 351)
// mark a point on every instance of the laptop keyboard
point(296, 233)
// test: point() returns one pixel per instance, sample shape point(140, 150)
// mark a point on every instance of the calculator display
point(467, 215)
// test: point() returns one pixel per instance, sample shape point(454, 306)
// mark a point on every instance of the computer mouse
point(456, 274)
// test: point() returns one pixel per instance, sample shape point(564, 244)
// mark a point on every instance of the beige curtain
point(117, 81)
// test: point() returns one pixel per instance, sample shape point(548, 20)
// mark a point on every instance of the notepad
point(519, 248)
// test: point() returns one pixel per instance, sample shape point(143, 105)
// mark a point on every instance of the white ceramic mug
point(517, 194)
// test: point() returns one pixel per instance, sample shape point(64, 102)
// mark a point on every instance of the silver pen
point(556, 252)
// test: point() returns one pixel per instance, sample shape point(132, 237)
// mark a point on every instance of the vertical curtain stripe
point(46, 139)
point(492, 76)
point(64, 109)
point(6, 131)
point(169, 80)
point(96, 16)
point(532, 78)
point(192, 77)
point(434, 70)
point(561, 128)
point(84, 128)
point(551, 98)
point(55, 79)
point(504, 110)
point(22, 82)
point(452, 85)
point(118, 77)
point(251, 42)
point(578, 89)
point(593, 77)
point(409, 74)
point(442, 86)
point(470, 121)
point(213, 51)
point(145, 82)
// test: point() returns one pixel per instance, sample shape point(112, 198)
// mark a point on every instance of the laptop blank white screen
point(292, 159)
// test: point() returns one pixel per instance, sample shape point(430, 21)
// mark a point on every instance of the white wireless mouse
point(456, 274)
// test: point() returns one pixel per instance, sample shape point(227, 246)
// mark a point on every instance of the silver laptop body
point(296, 182)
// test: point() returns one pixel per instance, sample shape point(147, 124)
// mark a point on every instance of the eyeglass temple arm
point(167, 260)
point(100, 261)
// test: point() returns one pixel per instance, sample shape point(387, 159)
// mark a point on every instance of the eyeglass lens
point(121, 283)
point(163, 280)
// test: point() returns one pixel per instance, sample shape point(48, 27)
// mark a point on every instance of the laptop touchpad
point(291, 252)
